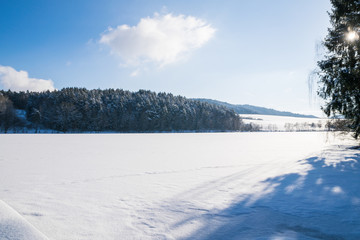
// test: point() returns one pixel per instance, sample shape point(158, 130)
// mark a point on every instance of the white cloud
point(135, 73)
point(162, 39)
point(20, 81)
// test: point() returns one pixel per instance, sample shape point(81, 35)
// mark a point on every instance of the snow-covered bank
point(14, 227)
point(184, 186)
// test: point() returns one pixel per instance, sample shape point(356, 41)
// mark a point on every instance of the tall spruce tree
point(340, 70)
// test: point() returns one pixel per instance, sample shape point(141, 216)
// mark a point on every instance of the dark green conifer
point(340, 69)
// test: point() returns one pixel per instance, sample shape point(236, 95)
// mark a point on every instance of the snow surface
point(262, 185)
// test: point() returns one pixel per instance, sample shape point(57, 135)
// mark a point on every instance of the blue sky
point(256, 52)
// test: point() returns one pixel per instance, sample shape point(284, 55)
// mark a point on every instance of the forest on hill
point(114, 110)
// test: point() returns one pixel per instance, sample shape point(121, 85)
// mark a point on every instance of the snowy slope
point(14, 227)
point(184, 186)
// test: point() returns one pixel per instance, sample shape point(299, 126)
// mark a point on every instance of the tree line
point(115, 110)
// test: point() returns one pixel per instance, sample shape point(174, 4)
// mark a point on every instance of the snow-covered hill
point(281, 123)
point(263, 185)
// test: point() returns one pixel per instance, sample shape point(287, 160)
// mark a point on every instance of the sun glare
point(352, 36)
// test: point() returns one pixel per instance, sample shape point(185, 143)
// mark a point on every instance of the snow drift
point(14, 227)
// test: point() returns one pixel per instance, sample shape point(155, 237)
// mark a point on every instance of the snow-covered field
point(262, 185)
point(279, 123)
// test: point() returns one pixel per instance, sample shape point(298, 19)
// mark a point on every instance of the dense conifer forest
point(114, 110)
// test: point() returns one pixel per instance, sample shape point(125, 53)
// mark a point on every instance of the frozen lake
point(262, 185)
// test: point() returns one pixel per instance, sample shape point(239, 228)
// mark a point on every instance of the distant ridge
point(250, 109)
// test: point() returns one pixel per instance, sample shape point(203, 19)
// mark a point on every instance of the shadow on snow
point(322, 202)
